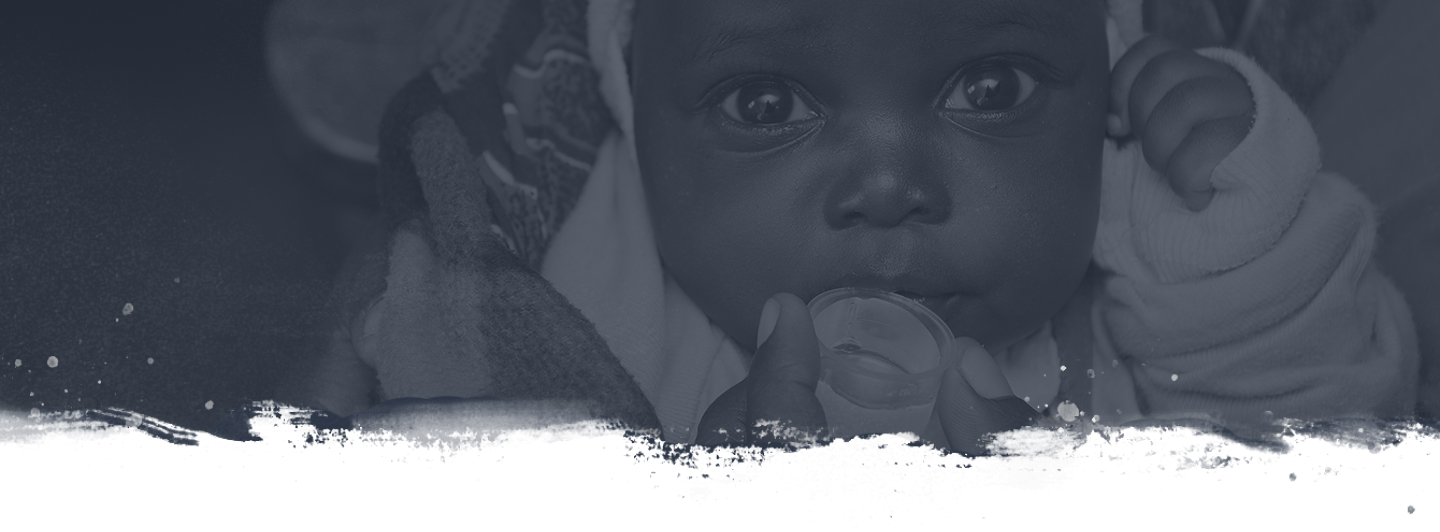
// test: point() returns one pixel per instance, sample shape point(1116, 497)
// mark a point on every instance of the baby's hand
point(1189, 112)
point(776, 402)
point(976, 401)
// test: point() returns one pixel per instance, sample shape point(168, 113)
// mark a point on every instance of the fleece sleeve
point(1266, 301)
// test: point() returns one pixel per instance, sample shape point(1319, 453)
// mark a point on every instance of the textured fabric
point(605, 262)
point(1259, 188)
point(1267, 300)
point(481, 160)
point(516, 79)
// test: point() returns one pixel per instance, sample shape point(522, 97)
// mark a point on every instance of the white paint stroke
point(582, 473)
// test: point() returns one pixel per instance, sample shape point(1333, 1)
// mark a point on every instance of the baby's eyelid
point(729, 103)
point(953, 99)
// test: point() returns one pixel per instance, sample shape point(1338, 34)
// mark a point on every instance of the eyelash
point(1040, 76)
point(717, 97)
point(1025, 88)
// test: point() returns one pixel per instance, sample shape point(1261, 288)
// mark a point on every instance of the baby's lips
point(911, 284)
point(936, 303)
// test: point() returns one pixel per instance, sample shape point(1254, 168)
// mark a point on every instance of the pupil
point(993, 89)
point(766, 103)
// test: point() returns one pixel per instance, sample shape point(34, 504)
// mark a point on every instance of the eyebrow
point(1006, 14)
point(726, 38)
point(716, 43)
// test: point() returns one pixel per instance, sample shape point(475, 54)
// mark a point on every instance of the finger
point(935, 431)
point(970, 421)
point(1122, 77)
point(980, 370)
point(1163, 73)
point(1192, 166)
point(726, 421)
point(782, 405)
point(1189, 104)
point(968, 418)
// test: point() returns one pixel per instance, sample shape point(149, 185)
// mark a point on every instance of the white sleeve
point(1266, 300)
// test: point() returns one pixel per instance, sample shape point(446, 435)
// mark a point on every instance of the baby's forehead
point(757, 15)
point(703, 27)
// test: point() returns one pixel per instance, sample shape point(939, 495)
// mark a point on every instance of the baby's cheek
point(717, 267)
point(1046, 253)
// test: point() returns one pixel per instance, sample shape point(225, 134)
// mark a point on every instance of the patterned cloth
point(516, 78)
point(482, 158)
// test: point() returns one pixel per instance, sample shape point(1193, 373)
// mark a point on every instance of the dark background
point(140, 142)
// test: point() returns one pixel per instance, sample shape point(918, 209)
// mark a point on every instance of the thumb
point(725, 422)
point(975, 401)
point(1121, 122)
point(781, 401)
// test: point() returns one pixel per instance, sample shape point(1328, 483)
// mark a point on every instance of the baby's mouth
point(918, 298)
point(925, 290)
point(936, 303)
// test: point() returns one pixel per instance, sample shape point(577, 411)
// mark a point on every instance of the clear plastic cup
point(882, 357)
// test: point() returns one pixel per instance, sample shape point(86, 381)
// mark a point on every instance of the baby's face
point(946, 149)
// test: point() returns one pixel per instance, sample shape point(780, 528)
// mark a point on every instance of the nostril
point(887, 200)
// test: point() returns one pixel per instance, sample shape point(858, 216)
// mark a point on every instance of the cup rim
point(873, 389)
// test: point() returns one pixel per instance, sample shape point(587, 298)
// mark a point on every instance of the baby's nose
point(889, 200)
point(892, 170)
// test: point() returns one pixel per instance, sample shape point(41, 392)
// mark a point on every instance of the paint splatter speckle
point(17, 362)
point(52, 362)
point(149, 361)
point(1062, 368)
point(177, 280)
point(1068, 411)
point(127, 309)
point(209, 405)
point(1090, 373)
point(1174, 377)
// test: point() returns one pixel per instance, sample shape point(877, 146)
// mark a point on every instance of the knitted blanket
point(482, 157)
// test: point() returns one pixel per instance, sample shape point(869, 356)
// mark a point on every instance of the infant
point(1111, 231)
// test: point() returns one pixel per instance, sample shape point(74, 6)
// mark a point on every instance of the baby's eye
point(766, 103)
point(991, 88)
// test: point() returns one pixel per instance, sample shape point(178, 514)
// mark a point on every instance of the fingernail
point(768, 317)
